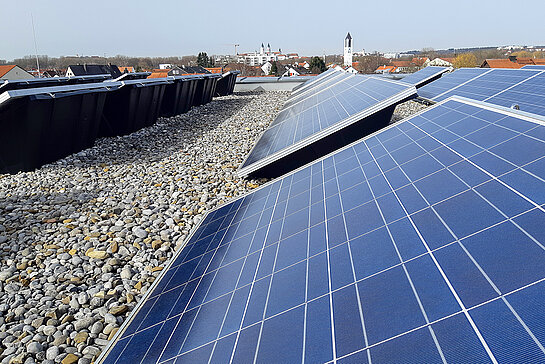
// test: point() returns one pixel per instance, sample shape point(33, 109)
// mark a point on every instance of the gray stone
point(139, 232)
point(91, 350)
point(83, 323)
point(34, 347)
point(52, 353)
point(97, 328)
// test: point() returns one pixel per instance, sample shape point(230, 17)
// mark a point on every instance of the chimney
point(513, 59)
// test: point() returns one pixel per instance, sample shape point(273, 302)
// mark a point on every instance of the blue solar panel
point(425, 75)
point(321, 114)
point(489, 84)
point(528, 95)
point(316, 81)
point(534, 67)
point(318, 87)
point(523, 89)
point(421, 243)
point(449, 81)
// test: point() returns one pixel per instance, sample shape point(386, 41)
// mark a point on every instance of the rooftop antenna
point(35, 44)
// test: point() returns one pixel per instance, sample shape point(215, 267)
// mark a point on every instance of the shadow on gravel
point(167, 136)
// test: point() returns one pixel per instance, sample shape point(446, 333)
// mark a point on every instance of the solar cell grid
point(417, 243)
point(425, 75)
point(317, 86)
point(310, 83)
point(449, 81)
point(528, 95)
point(534, 67)
point(524, 88)
point(318, 116)
point(489, 84)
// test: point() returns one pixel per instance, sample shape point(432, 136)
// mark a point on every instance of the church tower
point(348, 50)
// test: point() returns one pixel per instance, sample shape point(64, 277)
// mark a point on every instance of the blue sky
point(176, 28)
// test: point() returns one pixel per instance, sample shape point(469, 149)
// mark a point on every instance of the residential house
point(126, 69)
point(402, 66)
point(420, 62)
point(500, 63)
point(194, 70)
point(13, 72)
point(51, 73)
point(441, 61)
point(160, 73)
point(351, 69)
point(266, 68)
point(385, 69)
point(294, 71)
point(93, 69)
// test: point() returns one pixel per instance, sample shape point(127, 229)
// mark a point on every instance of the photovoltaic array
point(520, 88)
point(450, 81)
point(419, 243)
point(324, 119)
point(534, 67)
point(317, 80)
point(425, 75)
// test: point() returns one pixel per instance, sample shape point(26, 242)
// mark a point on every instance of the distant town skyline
point(173, 28)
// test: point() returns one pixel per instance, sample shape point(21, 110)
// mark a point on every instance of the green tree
point(204, 61)
point(317, 65)
point(274, 69)
point(465, 60)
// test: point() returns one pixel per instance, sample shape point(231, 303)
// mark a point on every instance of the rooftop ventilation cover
point(179, 94)
point(324, 120)
point(134, 106)
point(420, 243)
point(42, 125)
point(226, 84)
point(50, 82)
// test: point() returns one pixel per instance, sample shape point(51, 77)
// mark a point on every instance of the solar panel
point(528, 96)
point(450, 81)
point(420, 243)
point(324, 122)
point(425, 75)
point(322, 76)
point(534, 67)
point(317, 88)
point(489, 84)
point(522, 89)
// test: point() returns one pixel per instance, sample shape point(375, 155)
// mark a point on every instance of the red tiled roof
point(419, 61)
point(128, 69)
point(5, 69)
point(401, 63)
point(214, 69)
point(386, 68)
point(158, 73)
point(525, 61)
point(500, 63)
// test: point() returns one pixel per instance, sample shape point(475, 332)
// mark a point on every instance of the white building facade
point(263, 56)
